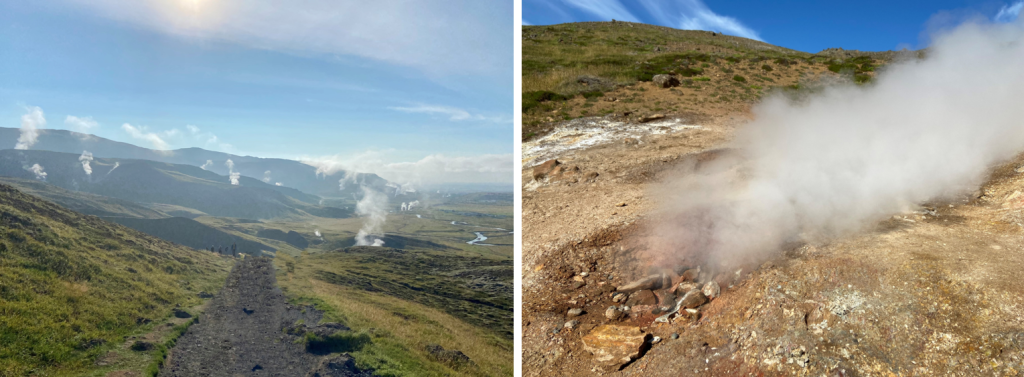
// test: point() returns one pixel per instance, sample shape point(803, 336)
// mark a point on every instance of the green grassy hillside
point(81, 202)
point(72, 286)
point(597, 68)
point(191, 233)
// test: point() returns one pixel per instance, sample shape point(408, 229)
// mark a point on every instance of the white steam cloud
point(373, 206)
point(266, 176)
point(845, 158)
point(85, 159)
point(31, 122)
point(438, 168)
point(116, 164)
point(38, 171)
point(232, 174)
point(207, 165)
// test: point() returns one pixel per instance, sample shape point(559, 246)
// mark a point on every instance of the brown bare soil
point(938, 291)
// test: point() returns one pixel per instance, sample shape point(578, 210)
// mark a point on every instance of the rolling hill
point(143, 181)
point(588, 69)
point(72, 286)
point(191, 233)
point(289, 173)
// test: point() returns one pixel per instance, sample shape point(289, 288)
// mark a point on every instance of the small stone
point(665, 81)
point(621, 204)
point(693, 299)
point(649, 282)
point(619, 297)
point(578, 284)
point(584, 274)
point(575, 312)
point(651, 118)
point(613, 313)
point(674, 336)
point(614, 346)
point(541, 171)
point(711, 290)
point(577, 278)
point(644, 297)
point(572, 324)
point(687, 286)
point(1020, 169)
point(655, 340)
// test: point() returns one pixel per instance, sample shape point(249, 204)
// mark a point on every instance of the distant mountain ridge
point(143, 181)
point(289, 173)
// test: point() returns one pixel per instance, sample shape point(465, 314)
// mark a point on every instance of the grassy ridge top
point(73, 286)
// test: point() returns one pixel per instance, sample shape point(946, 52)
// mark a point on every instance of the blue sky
point(810, 26)
point(374, 83)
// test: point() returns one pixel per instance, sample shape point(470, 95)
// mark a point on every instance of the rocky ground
point(934, 291)
point(249, 329)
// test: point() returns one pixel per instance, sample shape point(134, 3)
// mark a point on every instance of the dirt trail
point(250, 330)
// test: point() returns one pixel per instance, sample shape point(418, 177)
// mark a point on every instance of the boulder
point(178, 313)
point(711, 290)
point(693, 299)
point(614, 346)
point(541, 171)
point(453, 358)
point(665, 81)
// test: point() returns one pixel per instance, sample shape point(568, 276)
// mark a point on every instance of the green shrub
point(592, 94)
point(534, 98)
point(342, 341)
point(739, 78)
point(767, 68)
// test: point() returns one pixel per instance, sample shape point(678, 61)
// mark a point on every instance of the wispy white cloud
point(606, 9)
point(452, 113)
point(153, 138)
point(1009, 12)
point(208, 139)
point(81, 125)
point(440, 36)
point(680, 14)
point(432, 169)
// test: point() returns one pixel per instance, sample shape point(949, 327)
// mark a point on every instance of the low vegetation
point(72, 286)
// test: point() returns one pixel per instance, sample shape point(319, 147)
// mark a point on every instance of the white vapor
point(83, 126)
point(232, 174)
point(153, 138)
point(843, 159)
point(453, 113)
point(680, 14)
point(437, 168)
point(207, 165)
point(266, 176)
point(1009, 13)
point(437, 36)
point(85, 159)
point(116, 164)
point(373, 206)
point(31, 122)
point(695, 15)
point(38, 171)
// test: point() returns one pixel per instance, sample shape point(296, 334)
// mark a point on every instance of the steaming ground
point(894, 266)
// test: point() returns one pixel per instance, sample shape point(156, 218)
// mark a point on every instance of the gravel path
point(242, 333)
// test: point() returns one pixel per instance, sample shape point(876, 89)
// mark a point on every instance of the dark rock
point(205, 295)
point(666, 81)
point(453, 358)
point(644, 297)
point(648, 282)
point(178, 313)
point(338, 366)
point(142, 346)
point(248, 311)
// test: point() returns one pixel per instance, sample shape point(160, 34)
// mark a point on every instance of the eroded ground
point(934, 291)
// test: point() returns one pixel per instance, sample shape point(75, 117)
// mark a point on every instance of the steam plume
point(845, 158)
point(31, 122)
point(373, 206)
point(85, 159)
point(38, 171)
point(232, 174)
point(207, 165)
point(116, 164)
point(266, 176)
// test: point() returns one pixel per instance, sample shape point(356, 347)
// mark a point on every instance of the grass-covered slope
point(594, 68)
point(73, 286)
point(408, 300)
point(193, 234)
point(82, 202)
